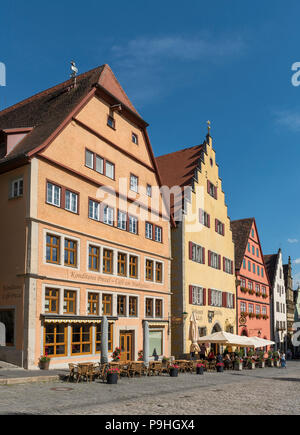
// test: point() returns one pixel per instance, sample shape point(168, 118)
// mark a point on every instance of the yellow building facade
point(202, 278)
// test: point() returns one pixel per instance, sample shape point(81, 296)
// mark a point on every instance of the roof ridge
point(46, 92)
point(179, 151)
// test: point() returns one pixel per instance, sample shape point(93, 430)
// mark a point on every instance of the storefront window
point(156, 342)
point(55, 340)
point(81, 339)
point(7, 317)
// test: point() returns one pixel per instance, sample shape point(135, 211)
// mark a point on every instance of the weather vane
point(208, 127)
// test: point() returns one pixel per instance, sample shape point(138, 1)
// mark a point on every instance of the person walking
point(283, 360)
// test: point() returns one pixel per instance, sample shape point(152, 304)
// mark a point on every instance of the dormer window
point(111, 122)
point(212, 190)
point(135, 138)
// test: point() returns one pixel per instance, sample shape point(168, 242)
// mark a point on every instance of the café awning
point(260, 342)
point(227, 338)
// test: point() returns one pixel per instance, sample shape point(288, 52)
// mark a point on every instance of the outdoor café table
point(183, 364)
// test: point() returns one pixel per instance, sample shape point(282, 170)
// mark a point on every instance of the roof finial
point(74, 72)
point(208, 127)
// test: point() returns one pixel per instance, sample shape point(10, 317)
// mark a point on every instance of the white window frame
point(108, 215)
point(132, 224)
point(110, 169)
point(90, 154)
point(134, 183)
point(51, 200)
point(95, 215)
point(122, 220)
point(17, 188)
point(71, 207)
point(149, 231)
point(197, 295)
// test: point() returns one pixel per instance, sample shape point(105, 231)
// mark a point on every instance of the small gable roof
point(240, 234)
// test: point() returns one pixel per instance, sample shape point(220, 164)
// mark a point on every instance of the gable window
point(134, 183)
point(89, 159)
point(249, 266)
point(253, 268)
point(94, 210)
point(71, 201)
point(53, 194)
point(17, 188)
point(204, 218)
point(252, 232)
point(212, 190)
point(219, 227)
point(244, 263)
point(149, 190)
point(134, 138)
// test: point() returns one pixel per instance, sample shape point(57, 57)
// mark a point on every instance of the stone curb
point(15, 381)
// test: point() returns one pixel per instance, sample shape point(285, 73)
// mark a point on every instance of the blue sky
point(182, 63)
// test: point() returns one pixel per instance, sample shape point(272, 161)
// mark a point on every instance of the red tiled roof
point(47, 110)
point(240, 234)
point(271, 263)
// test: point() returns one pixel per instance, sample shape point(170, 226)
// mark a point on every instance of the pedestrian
point(202, 353)
point(283, 360)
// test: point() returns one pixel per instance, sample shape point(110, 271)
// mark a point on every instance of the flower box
point(112, 378)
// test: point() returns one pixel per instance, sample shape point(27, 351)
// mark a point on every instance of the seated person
point(211, 355)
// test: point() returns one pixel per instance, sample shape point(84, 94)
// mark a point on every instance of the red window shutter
point(209, 296)
point(223, 228)
point(204, 296)
point(203, 255)
point(208, 186)
point(216, 193)
point(219, 262)
point(216, 225)
point(191, 250)
point(234, 301)
point(208, 221)
point(209, 258)
point(232, 268)
point(223, 264)
point(191, 294)
point(224, 301)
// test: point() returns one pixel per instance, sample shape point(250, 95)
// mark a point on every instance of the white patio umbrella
point(194, 334)
point(227, 338)
point(260, 342)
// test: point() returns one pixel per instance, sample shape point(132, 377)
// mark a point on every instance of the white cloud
point(293, 240)
point(289, 119)
point(297, 261)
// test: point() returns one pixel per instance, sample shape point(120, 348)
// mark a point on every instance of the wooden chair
point(102, 371)
point(85, 372)
point(155, 368)
point(136, 369)
point(73, 371)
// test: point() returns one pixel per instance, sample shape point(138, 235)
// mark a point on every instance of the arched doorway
point(216, 347)
point(244, 333)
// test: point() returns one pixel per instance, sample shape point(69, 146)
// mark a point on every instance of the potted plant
point(174, 371)
point(261, 360)
point(140, 355)
point(220, 367)
point(44, 362)
point(116, 356)
point(270, 359)
point(244, 290)
point(276, 359)
point(200, 368)
point(238, 363)
point(113, 375)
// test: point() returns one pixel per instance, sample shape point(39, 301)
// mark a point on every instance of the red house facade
point(253, 286)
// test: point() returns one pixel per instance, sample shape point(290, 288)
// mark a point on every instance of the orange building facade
point(253, 286)
point(84, 230)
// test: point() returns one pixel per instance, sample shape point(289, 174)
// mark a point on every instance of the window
point(257, 288)
point(52, 301)
point(252, 232)
point(133, 266)
point(110, 170)
point(257, 252)
point(93, 304)
point(204, 218)
point(244, 263)
point(7, 317)
point(53, 194)
point(121, 305)
point(159, 272)
point(108, 261)
point(258, 270)
point(107, 305)
point(251, 308)
point(111, 122)
point(149, 307)
point(253, 250)
point(55, 339)
point(133, 225)
point(155, 342)
point(264, 311)
point(133, 306)
point(216, 298)
point(250, 285)
point(257, 309)
point(149, 190)
point(94, 258)
point(212, 190)
point(89, 159)
point(214, 260)
point(219, 227)
point(253, 268)
point(99, 165)
point(248, 247)
point(229, 300)
point(249, 266)
point(122, 220)
point(243, 282)
point(197, 253)
point(110, 337)
point(94, 208)
point(149, 231)
point(17, 188)
point(134, 138)
point(134, 183)
point(243, 307)
point(158, 308)
point(197, 296)
point(108, 215)
point(227, 265)
point(263, 290)
point(149, 270)
point(70, 253)
point(69, 302)
point(158, 234)
point(71, 201)
point(122, 264)
point(81, 339)
point(52, 249)
point(262, 272)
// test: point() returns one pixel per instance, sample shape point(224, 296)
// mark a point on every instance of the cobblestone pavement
point(261, 391)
